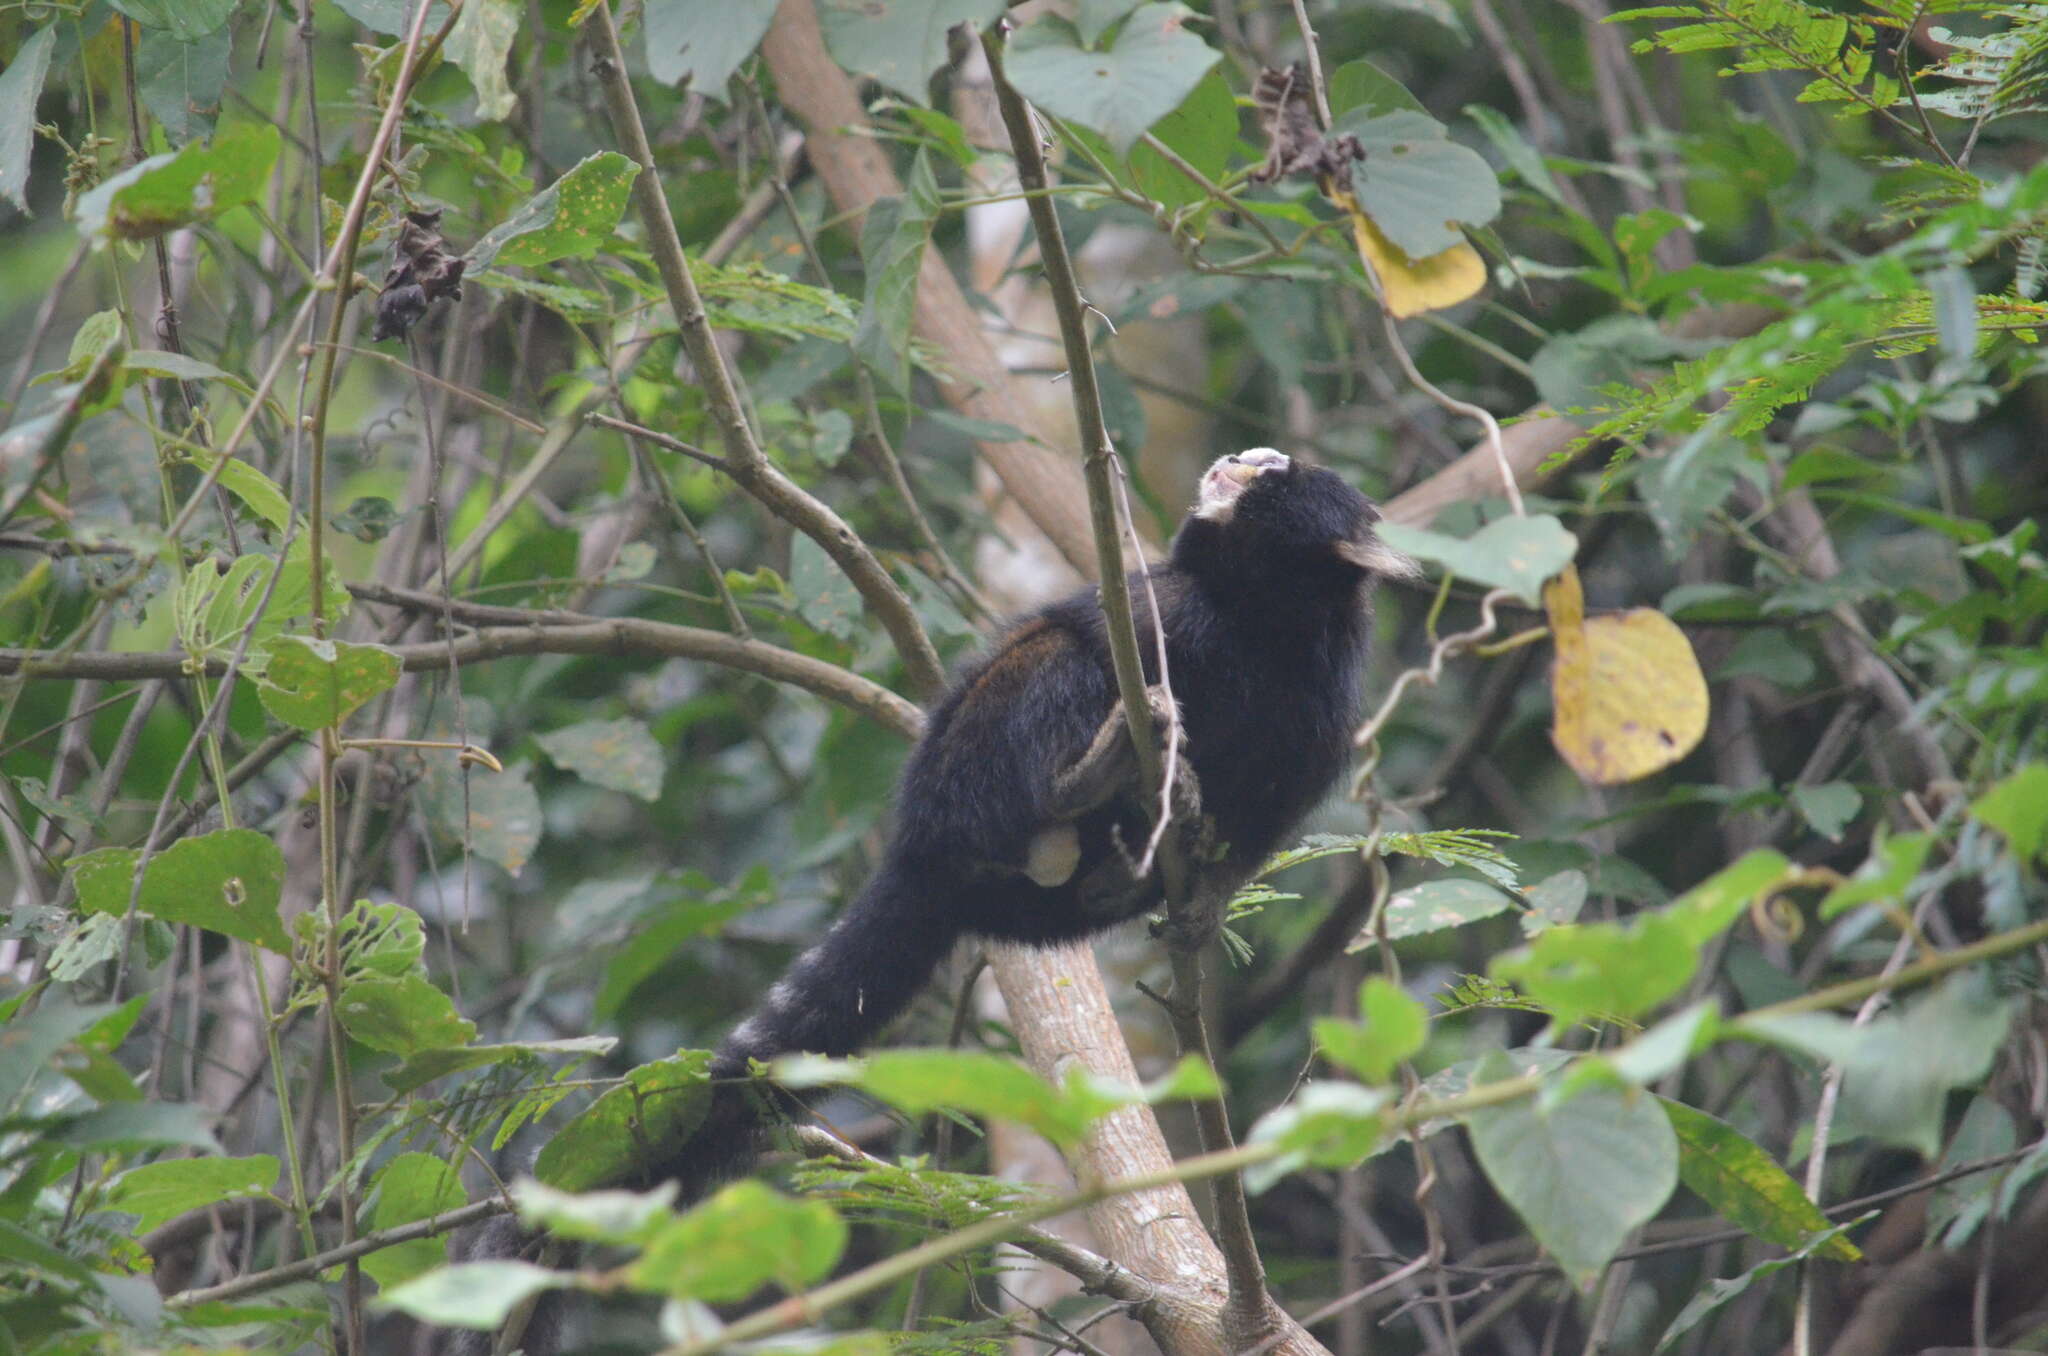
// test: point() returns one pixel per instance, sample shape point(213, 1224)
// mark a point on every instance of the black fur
point(1265, 627)
point(1266, 622)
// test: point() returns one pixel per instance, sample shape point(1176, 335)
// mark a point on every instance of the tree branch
point(746, 463)
point(574, 633)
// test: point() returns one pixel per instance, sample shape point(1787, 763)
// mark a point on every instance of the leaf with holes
point(619, 754)
point(312, 684)
point(228, 881)
point(572, 218)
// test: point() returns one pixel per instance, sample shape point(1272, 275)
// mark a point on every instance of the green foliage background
point(1780, 261)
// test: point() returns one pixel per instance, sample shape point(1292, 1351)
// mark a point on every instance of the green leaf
point(479, 43)
point(652, 945)
point(411, 1187)
point(1153, 65)
point(1516, 554)
point(892, 242)
point(18, 1245)
point(1718, 1293)
point(1328, 1124)
point(182, 367)
point(428, 1065)
point(1664, 1046)
point(572, 218)
point(28, 1044)
point(21, 84)
point(1416, 183)
point(504, 820)
point(825, 597)
point(185, 20)
point(658, 1106)
point(704, 44)
point(1745, 1185)
point(181, 82)
point(1884, 876)
point(1581, 1173)
point(392, 17)
point(402, 1016)
point(1203, 132)
point(264, 496)
point(1096, 16)
point(622, 1217)
point(156, 1192)
point(1391, 1027)
point(195, 184)
point(1709, 908)
point(313, 684)
point(1362, 85)
point(1618, 970)
point(898, 42)
point(1438, 904)
point(1828, 808)
point(618, 754)
point(2018, 808)
point(981, 1084)
point(1554, 901)
point(1767, 654)
point(1897, 1070)
point(129, 1127)
point(228, 881)
point(757, 299)
point(741, 1239)
point(474, 1294)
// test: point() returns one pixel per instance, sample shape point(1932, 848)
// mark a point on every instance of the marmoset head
point(1268, 504)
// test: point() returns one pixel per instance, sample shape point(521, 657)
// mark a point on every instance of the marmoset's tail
point(833, 999)
point(840, 994)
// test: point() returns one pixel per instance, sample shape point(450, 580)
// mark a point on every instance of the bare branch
point(746, 462)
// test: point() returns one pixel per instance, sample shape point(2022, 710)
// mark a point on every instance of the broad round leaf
point(1152, 66)
point(311, 684)
point(1416, 184)
point(898, 42)
point(1581, 1173)
point(1630, 698)
point(1511, 553)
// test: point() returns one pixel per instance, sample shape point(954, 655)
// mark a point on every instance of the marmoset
point(1015, 821)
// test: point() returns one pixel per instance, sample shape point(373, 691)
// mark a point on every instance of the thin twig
point(747, 463)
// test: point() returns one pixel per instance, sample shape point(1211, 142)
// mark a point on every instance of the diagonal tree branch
point(745, 461)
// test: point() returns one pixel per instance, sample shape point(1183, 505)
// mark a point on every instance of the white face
point(1226, 478)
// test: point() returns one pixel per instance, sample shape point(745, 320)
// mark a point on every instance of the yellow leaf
point(1629, 695)
point(1411, 286)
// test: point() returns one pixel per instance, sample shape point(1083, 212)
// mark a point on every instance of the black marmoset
point(1265, 604)
point(1266, 607)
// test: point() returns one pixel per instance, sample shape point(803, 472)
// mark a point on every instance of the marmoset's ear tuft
point(1374, 556)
